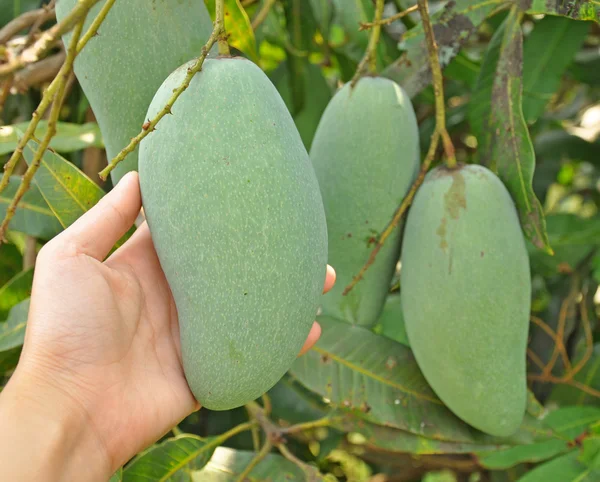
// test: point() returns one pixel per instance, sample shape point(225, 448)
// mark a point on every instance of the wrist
point(46, 436)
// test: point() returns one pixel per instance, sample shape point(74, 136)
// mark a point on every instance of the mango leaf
point(452, 27)
point(68, 191)
point(226, 464)
point(567, 423)
point(379, 437)
point(577, 10)
point(161, 462)
point(33, 216)
point(391, 320)
point(238, 27)
point(117, 476)
point(378, 378)
point(69, 137)
point(11, 261)
point(292, 403)
point(566, 468)
point(548, 51)
point(14, 291)
point(12, 336)
point(511, 149)
point(590, 455)
point(323, 13)
point(481, 97)
point(588, 376)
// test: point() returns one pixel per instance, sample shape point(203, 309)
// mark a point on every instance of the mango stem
point(369, 60)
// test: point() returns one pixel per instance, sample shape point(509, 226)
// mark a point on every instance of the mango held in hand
point(466, 293)
point(366, 155)
point(138, 45)
point(238, 223)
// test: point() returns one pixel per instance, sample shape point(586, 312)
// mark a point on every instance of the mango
point(466, 290)
point(366, 155)
point(236, 216)
point(138, 45)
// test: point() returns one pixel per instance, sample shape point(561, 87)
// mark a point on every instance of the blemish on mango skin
point(441, 232)
point(455, 198)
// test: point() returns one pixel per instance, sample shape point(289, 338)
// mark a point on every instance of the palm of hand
point(105, 334)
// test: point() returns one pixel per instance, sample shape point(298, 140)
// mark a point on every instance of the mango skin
point(366, 156)
point(238, 223)
point(466, 295)
point(139, 44)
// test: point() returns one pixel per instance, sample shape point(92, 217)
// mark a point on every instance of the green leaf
point(453, 26)
point(359, 370)
point(11, 261)
point(238, 27)
point(69, 137)
point(292, 403)
point(323, 13)
point(14, 291)
point(481, 97)
point(562, 469)
point(577, 10)
point(590, 456)
point(117, 476)
point(160, 462)
point(511, 148)
point(572, 238)
point(33, 216)
point(379, 437)
point(568, 423)
point(12, 336)
point(548, 51)
point(68, 191)
point(391, 320)
point(226, 464)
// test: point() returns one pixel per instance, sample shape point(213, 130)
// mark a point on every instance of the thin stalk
point(264, 451)
point(390, 19)
point(438, 85)
point(369, 61)
point(262, 13)
point(220, 21)
point(148, 127)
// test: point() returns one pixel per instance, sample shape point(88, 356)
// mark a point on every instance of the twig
point(311, 472)
point(62, 78)
point(218, 34)
point(267, 407)
point(93, 30)
point(262, 14)
point(438, 85)
point(40, 72)
point(44, 104)
point(264, 451)
point(23, 21)
point(558, 342)
point(5, 91)
point(560, 332)
point(49, 37)
point(370, 58)
point(40, 21)
point(589, 342)
point(562, 381)
point(388, 20)
point(399, 212)
point(301, 427)
point(535, 359)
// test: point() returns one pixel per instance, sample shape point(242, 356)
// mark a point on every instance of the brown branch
point(535, 359)
point(438, 85)
point(406, 202)
point(218, 34)
point(23, 21)
point(559, 347)
point(589, 342)
point(39, 73)
point(562, 381)
point(558, 342)
point(5, 88)
point(264, 451)
point(35, 28)
point(388, 20)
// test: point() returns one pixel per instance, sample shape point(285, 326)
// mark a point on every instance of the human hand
point(102, 342)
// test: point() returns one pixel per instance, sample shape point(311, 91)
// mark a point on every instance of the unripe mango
point(366, 155)
point(466, 289)
point(238, 223)
point(138, 45)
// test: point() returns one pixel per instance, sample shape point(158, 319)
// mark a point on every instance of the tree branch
point(369, 60)
point(23, 21)
point(388, 20)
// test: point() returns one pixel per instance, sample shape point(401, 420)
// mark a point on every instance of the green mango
point(366, 155)
point(466, 292)
point(138, 45)
point(237, 219)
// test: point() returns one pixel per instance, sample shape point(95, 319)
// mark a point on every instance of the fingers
point(313, 337)
point(329, 279)
point(96, 232)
